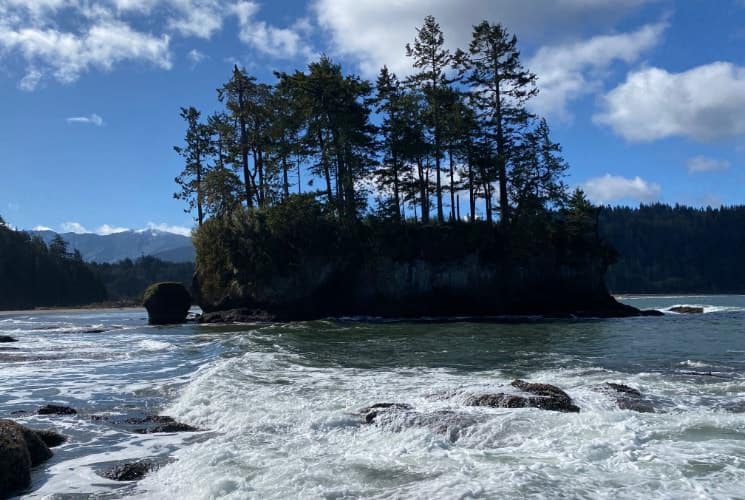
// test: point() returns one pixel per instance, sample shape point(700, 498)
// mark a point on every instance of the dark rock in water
point(20, 449)
point(56, 410)
point(543, 396)
point(236, 316)
point(51, 438)
point(132, 471)
point(651, 312)
point(159, 423)
point(399, 416)
point(167, 303)
point(7, 338)
point(628, 398)
point(687, 310)
point(372, 412)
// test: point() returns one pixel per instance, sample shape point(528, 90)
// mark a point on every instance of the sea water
point(278, 405)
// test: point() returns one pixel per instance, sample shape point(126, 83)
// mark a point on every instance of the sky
point(647, 97)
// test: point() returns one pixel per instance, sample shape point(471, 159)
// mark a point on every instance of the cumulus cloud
point(73, 227)
point(568, 71)
point(699, 164)
point(705, 103)
point(610, 188)
point(271, 40)
point(168, 228)
point(375, 31)
point(92, 119)
point(106, 229)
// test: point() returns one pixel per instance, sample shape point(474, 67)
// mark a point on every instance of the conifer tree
point(197, 149)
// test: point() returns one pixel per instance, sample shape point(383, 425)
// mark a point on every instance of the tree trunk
point(452, 186)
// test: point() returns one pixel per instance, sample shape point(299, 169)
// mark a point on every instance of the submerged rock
point(20, 449)
point(627, 398)
point(543, 396)
point(131, 471)
point(56, 410)
point(7, 338)
point(371, 412)
point(399, 416)
point(687, 309)
point(50, 437)
point(148, 424)
point(167, 303)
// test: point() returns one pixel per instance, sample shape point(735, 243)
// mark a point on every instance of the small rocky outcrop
point(687, 310)
point(20, 449)
point(7, 338)
point(236, 316)
point(148, 424)
point(627, 398)
point(399, 416)
point(372, 412)
point(167, 303)
point(543, 396)
point(56, 410)
point(130, 471)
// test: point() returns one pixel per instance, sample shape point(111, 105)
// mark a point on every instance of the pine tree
point(433, 60)
point(500, 87)
point(197, 149)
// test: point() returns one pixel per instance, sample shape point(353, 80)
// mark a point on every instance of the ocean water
point(278, 405)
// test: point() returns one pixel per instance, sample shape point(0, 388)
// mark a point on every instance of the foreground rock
point(167, 303)
point(7, 338)
point(148, 424)
point(56, 410)
point(627, 398)
point(687, 310)
point(132, 471)
point(20, 449)
point(543, 396)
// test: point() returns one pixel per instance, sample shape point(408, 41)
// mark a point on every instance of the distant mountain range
point(128, 244)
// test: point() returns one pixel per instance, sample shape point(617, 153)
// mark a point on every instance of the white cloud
point(374, 32)
point(183, 231)
point(568, 71)
point(276, 42)
point(609, 188)
point(42, 228)
point(107, 229)
point(200, 18)
point(67, 55)
point(705, 103)
point(73, 227)
point(195, 57)
point(29, 82)
point(699, 164)
point(92, 119)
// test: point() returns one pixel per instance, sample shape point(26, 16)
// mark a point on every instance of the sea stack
point(167, 303)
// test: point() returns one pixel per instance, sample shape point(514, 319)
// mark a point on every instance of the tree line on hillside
point(34, 274)
point(457, 126)
point(676, 249)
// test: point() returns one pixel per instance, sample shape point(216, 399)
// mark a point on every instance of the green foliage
point(126, 280)
point(32, 275)
point(676, 249)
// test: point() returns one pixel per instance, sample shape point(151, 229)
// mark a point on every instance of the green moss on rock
point(167, 303)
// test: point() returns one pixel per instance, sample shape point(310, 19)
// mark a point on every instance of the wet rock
point(56, 410)
point(628, 398)
point(131, 471)
point(236, 316)
point(399, 416)
point(687, 310)
point(51, 438)
point(20, 449)
point(167, 303)
point(651, 312)
point(543, 396)
point(7, 338)
point(371, 412)
point(158, 423)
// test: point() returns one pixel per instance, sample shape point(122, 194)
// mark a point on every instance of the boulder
point(627, 398)
point(131, 471)
point(20, 449)
point(7, 338)
point(543, 396)
point(167, 303)
point(236, 316)
point(687, 309)
point(56, 410)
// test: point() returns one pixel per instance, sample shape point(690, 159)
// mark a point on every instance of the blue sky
point(646, 96)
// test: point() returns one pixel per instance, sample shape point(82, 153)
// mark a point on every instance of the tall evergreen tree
point(197, 149)
point(433, 60)
point(500, 87)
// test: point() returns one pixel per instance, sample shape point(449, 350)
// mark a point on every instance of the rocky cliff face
point(383, 285)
